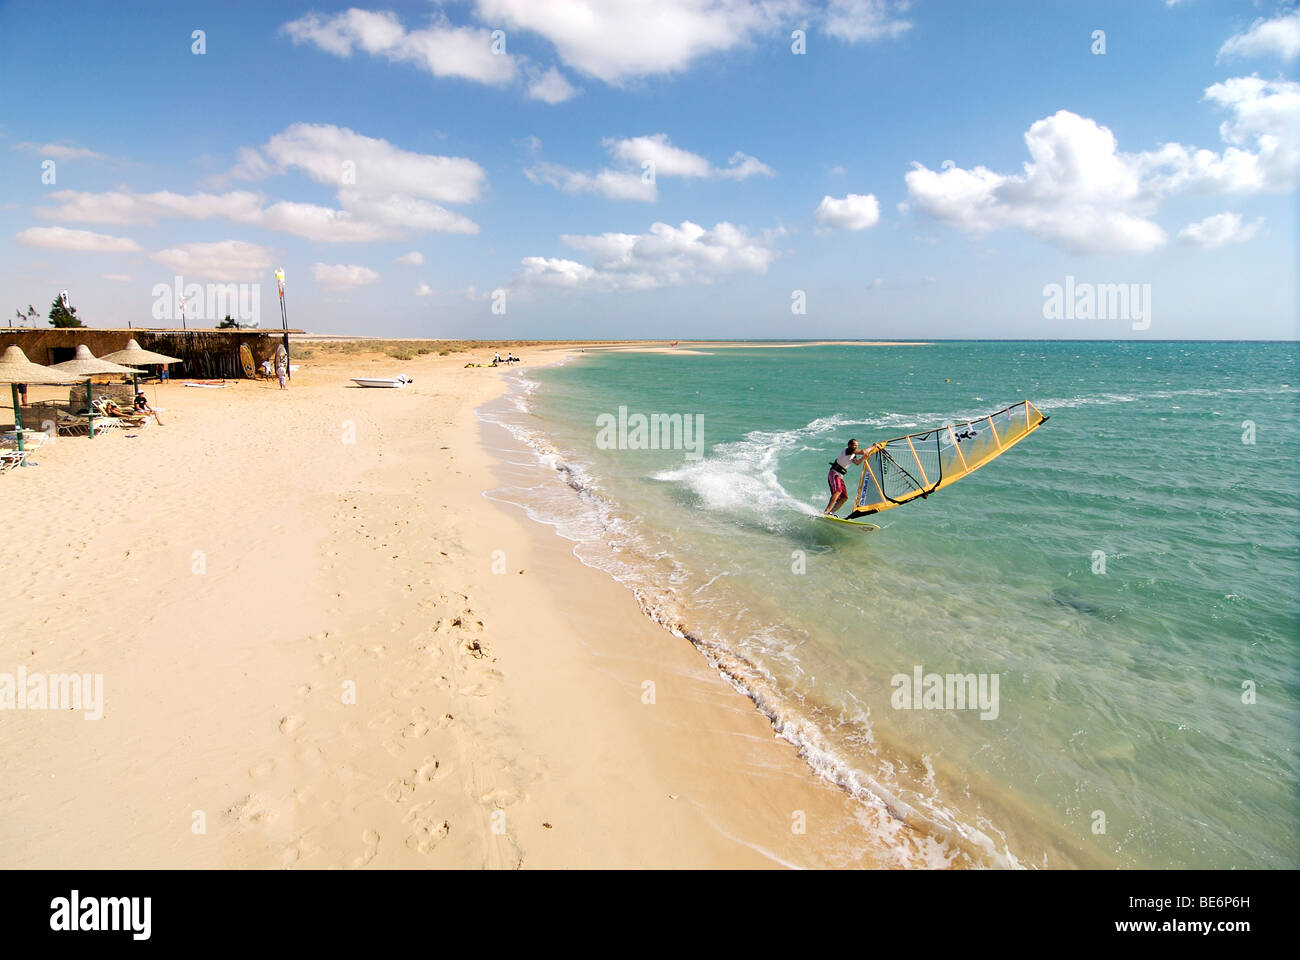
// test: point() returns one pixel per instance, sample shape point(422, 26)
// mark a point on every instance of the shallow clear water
point(1123, 572)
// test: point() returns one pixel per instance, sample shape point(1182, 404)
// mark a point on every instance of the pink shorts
point(836, 483)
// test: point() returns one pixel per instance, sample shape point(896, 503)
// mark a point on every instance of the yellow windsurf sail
point(896, 471)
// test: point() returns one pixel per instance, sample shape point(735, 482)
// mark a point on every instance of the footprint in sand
point(485, 684)
point(291, 724)
point(310, 755)
point(427, 830)
point(415, 730)
point(398, 790)
point(429, 650)
point(428, 771)
point(251, 810)
point(301, 849)
point(382, 720)
point(475, 649)
point(467, 621)
point(501, 797)
point(370, 847)
point(378, 650)
point(259, 770)
point(411, 689)
point(325, 657)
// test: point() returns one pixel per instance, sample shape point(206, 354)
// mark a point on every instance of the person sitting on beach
point(835, 477)
point(107, 408)
point(142, 407)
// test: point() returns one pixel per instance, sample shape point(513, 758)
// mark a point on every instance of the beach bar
point(207, 354)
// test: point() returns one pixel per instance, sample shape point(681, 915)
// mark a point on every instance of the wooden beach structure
point(206, 354)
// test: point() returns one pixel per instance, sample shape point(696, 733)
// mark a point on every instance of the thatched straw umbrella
point(86, 364)
point(134, 355)
point(15, 368)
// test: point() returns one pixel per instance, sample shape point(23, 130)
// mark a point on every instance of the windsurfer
point(835, 477)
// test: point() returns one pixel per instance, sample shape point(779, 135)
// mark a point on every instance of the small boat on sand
point(390, 383)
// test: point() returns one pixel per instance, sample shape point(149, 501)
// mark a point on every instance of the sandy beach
point(322, 646)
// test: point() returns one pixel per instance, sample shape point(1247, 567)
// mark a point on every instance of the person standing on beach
point(282, 371)
point(835, 476)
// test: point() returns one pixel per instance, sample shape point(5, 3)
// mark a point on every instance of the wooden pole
point(90, 411)
point(284, 322)
point(18, 416)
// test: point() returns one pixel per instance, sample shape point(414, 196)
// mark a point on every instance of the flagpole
point(284, 323)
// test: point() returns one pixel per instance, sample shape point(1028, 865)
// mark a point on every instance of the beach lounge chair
point(32, 440)
point(70, 425)
point(11, 458)
point(103, 418)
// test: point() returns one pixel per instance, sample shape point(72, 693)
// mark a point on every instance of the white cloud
point(615, 184)
point(1219, 230)
point(615, 40)
point(556, 272)
point(59, 151)
point(657, 150)
point(1076, 191)
point(1279, 37)
point(384, 192)
point(117, 277)
point(664, 256)
point(343, 158)
point(315, 222)
point(423, 290)
point(643, 160)
point(1080, 192)
point(61, 238)
point(395, 214)
point(550, 86)
point(119, 206)
point(855, 20)
point(441, 49)
point(341, 276)
point(1262, 137)
point(228, 260)
point(853, 212)
point(620, 40)
point(413, 259)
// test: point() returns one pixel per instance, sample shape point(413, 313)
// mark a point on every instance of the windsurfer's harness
point(838, 469)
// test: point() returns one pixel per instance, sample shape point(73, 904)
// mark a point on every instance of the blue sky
point(671, 169)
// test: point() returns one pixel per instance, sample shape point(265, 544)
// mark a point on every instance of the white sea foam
point(736, 476)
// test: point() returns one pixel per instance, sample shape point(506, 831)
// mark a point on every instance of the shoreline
point(309, 661)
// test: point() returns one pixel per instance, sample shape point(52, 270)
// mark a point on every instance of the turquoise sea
point(1129, 574)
